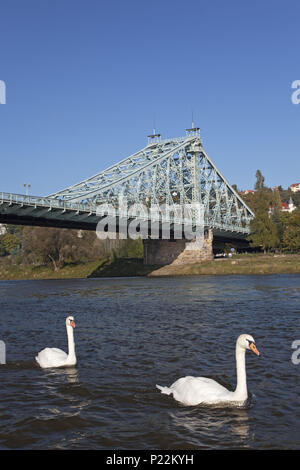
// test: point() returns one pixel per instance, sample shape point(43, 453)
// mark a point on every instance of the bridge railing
point(77, 207)
point(35, 201)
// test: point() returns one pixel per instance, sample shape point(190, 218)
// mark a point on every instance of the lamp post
point(27, 186)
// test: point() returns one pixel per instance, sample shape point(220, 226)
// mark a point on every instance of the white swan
point(201, 390)
point(53, 357)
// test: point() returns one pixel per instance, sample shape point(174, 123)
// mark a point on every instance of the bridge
point(175, 172)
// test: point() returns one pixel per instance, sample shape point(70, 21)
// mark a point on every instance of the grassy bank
point(22, 272)
point(239, 264)
point(105, 267)
point(124, 267)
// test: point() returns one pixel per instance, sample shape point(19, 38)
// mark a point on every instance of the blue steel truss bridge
point(176, 172)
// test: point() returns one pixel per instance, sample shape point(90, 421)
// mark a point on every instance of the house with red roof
point(290, 207)
point(247, 191)
point(295, 187)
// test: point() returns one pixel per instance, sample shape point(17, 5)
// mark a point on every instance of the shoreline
point(244, 264)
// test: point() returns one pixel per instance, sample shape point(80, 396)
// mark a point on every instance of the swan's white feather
point(51, 357)
point(196, 390)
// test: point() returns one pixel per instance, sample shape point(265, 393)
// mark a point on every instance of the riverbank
point(238, 265)
point(11, 272)
point(126, 267)
point(106, 267)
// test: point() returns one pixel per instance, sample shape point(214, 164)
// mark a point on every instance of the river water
point(133, 333)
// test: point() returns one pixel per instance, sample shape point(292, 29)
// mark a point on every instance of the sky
point(86, 82)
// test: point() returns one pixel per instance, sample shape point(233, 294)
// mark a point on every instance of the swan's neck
point(240, 393)
point(71, 344)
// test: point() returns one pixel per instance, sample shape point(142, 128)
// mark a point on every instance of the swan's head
point(70, 321)
point(247, 342)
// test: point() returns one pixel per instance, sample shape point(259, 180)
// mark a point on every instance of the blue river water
point(134, 333)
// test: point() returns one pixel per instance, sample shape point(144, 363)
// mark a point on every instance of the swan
point(53, 357)
point(202, 390)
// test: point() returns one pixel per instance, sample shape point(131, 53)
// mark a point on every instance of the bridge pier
point(179, 252)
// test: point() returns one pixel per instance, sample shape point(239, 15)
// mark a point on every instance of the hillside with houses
point(289, 198)
point(276, 226)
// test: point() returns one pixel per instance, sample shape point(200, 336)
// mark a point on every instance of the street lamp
point(27, 186)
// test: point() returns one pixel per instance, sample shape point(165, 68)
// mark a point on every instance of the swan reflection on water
point(70, 373)
point(214, 424)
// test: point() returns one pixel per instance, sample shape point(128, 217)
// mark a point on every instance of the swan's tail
point(165, 390)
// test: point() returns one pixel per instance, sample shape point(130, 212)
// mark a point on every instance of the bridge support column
point(162, 252)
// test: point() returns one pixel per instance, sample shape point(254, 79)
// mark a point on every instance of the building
point(295, 187)
point(290, 207)
point(247, 191)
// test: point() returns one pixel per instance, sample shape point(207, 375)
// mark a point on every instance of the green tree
point(291, 234)
point(276, 215)
point(2, 247)
point(259, 185)
point(264, 231)
point(53, 246)
point(11, 242)
point(130, 249)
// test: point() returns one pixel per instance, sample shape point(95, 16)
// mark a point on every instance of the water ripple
point(134, 333)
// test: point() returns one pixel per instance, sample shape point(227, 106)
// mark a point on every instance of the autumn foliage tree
point(55, 246)
point(58, 247)
point(264, 229)
point(291, 234)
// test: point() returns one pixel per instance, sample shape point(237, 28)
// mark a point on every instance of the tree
point(291, 234)
point(264, 232)
point(2, 247)
point(130, 249)
point(259, 181)
point(51, 245)
point(41, 245)
point(276, 215)
point(10, 242)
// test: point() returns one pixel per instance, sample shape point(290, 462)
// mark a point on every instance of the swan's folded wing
point(195, 390)
point(51, 357)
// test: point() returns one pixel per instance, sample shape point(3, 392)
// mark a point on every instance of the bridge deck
point(21, 209)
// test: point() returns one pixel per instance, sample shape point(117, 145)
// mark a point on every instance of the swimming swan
point(53, 357)
point(201, 390)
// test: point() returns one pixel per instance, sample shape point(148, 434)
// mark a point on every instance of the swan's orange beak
point(254, 348)
point(72, 324)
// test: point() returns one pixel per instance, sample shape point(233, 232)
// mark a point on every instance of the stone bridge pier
point(179, 252)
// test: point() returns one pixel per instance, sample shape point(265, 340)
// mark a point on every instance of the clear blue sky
point(85, 80)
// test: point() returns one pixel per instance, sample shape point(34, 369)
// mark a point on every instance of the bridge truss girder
point(173, 172)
